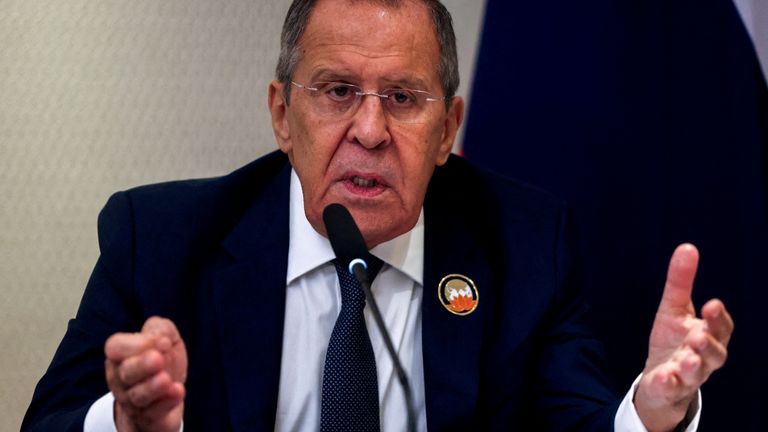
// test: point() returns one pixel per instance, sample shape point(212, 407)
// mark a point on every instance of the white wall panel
point(755, 16)
point(97, 96)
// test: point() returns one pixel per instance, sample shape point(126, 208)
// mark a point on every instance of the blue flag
point(650, 117)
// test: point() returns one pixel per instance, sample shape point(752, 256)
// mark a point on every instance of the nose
point(369, 124)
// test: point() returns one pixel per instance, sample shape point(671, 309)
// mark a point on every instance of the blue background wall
point(651, 118)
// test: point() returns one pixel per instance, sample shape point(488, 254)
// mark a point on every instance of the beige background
point(754, 13)
point(97, 96)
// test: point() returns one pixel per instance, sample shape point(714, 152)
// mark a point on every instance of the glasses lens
point(334, 99)
point(337, 101)
point(405, 105)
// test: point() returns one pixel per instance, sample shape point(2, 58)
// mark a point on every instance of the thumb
point(161, 327)
point(170, 344)
point(680, 276)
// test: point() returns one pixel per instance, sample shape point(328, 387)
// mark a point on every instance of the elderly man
point(364, 112)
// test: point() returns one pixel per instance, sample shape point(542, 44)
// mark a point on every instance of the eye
point(401, 98)
point(339, 92)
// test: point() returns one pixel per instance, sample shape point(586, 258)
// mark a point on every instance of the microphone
point(350, 249)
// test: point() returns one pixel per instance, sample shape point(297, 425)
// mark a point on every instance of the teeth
point(363, 182)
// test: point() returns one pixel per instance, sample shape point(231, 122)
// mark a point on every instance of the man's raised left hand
point(683, 349)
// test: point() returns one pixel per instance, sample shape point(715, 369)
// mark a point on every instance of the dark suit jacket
point(211, 256)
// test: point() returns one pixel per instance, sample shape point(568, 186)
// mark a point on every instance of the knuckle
point(111, 345)
point(157, 325)
point(114, 383)
point(137, 397)
point(109, 370)
point(121, 397)
point(124, 374)
point(152, 361)
point(152, 323)
point(722, 359)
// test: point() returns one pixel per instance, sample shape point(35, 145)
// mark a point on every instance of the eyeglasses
point(338, 101)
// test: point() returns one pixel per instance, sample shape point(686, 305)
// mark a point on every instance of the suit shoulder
point(195, 205)
point(461, 181)
point(180, 194)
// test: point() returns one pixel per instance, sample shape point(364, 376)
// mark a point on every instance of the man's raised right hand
point(146, 372)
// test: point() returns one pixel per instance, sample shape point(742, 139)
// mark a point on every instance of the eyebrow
point(327, 74)
point(404, 80)
point(407, 81)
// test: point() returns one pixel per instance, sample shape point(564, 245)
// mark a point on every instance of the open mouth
point(366, 183)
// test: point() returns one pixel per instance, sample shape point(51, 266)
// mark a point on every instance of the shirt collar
point(308, 250)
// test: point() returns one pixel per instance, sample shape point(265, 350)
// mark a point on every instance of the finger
point(120, 346)
point(164, 327)
point(691, 373)
point(664, 382)
point(116, 386)
point(140, 367)
point(680, 276)
point(719, 321)
point(713, 357)
point(676, 381)
point(150, 390)
point(713, 353)
point(162, 410)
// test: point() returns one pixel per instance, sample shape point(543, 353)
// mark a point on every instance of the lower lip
point(368, 192)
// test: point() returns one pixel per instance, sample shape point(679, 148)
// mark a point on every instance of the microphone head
point(346, 240)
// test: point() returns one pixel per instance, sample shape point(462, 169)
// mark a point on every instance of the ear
point(278, 109)
point(453, 119)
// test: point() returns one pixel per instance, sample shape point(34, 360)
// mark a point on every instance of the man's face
point(376, 166)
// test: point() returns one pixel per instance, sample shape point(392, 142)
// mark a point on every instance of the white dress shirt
point(313, 301)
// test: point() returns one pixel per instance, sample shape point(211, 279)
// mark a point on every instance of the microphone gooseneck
point(346, 240)
point(350, 249)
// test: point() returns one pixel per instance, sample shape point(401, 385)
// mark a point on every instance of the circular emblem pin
point(458, 294)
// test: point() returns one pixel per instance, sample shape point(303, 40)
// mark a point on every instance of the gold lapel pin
point(458, 294)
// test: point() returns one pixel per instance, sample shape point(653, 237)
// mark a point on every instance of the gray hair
point(298, 16)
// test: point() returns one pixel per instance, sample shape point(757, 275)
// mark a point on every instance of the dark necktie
point(350, 387)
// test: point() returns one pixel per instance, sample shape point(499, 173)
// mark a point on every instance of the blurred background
point(649, 116)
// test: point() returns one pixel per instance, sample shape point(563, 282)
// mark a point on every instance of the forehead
point(369, 40)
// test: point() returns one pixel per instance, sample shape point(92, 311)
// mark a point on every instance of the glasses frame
point(360, 94)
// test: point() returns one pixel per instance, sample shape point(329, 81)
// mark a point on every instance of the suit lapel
point(451, 344)
point(249, 298)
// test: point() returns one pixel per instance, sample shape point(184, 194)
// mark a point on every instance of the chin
point(378, 222)
point(378, 228)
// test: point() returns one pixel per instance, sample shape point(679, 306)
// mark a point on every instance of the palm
point(670, 328)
